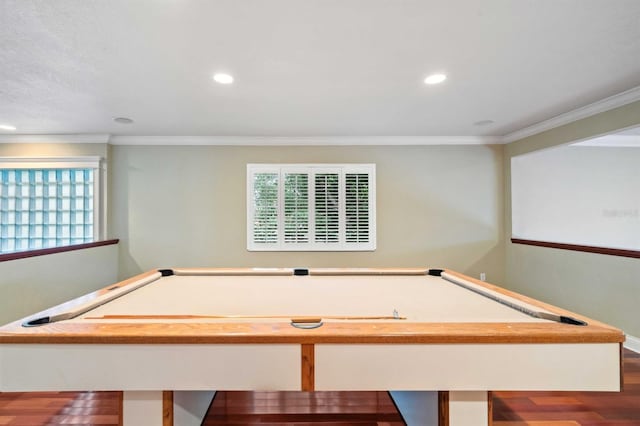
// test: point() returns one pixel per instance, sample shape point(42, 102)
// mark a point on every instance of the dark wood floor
point(339, 408)
point(303, 408)
point(59, 408)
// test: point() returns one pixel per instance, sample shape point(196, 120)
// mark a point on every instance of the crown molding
point(304, 140)
point(612, 141)
point(61, 138)
point(606, 104)
point(612, 102)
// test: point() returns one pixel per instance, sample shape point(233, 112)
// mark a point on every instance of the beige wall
point(36, 283)
point(603, 287)
point(438, 206)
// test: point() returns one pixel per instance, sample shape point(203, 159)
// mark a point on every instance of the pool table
point(168, 338)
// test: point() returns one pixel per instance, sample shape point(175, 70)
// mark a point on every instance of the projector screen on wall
point(585, 195)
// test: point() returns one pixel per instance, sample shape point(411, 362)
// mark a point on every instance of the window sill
point(575, 247)
point(53, 250)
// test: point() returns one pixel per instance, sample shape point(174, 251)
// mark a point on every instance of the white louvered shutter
point(357, 208)
point(311, 207)
point(296, 208)
point(265, 208)
point(327, 212)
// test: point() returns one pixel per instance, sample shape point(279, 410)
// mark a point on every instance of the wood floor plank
point(339, 408)
point(555, 400)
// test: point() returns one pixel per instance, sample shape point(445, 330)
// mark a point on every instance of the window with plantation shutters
point(311, 207)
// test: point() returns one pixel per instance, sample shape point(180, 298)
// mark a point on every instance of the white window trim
point(85, 162)
point(342, 245)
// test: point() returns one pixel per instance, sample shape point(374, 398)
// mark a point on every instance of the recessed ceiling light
point(223, 78)
point(123, 120)
point(483, 122)
point(7, 127)
point(435, 79)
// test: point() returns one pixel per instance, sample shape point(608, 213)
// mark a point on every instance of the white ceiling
point(310, 68)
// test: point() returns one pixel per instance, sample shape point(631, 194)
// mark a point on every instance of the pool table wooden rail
point(194, 357)
point(261, 331)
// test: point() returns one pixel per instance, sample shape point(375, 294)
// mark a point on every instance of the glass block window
point(316, 207)
point(44, 207)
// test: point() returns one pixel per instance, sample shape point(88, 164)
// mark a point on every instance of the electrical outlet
point(483, 276)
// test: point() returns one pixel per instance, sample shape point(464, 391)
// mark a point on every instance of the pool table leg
point(190, 407)
point(165, 408)
point(469, 408)
point(142, 408)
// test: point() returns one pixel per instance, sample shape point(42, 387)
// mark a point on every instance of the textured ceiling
point(309, 67)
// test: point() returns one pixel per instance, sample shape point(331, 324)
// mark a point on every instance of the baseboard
point(632, 343)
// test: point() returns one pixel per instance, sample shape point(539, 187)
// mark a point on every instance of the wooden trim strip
point(621, 367)
point(307, 373)
point(489, 408)
point(331, 332)
point(167, 408)
point(576, 247)
point(120, 408)
point(53, 250)
point(443, 408)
